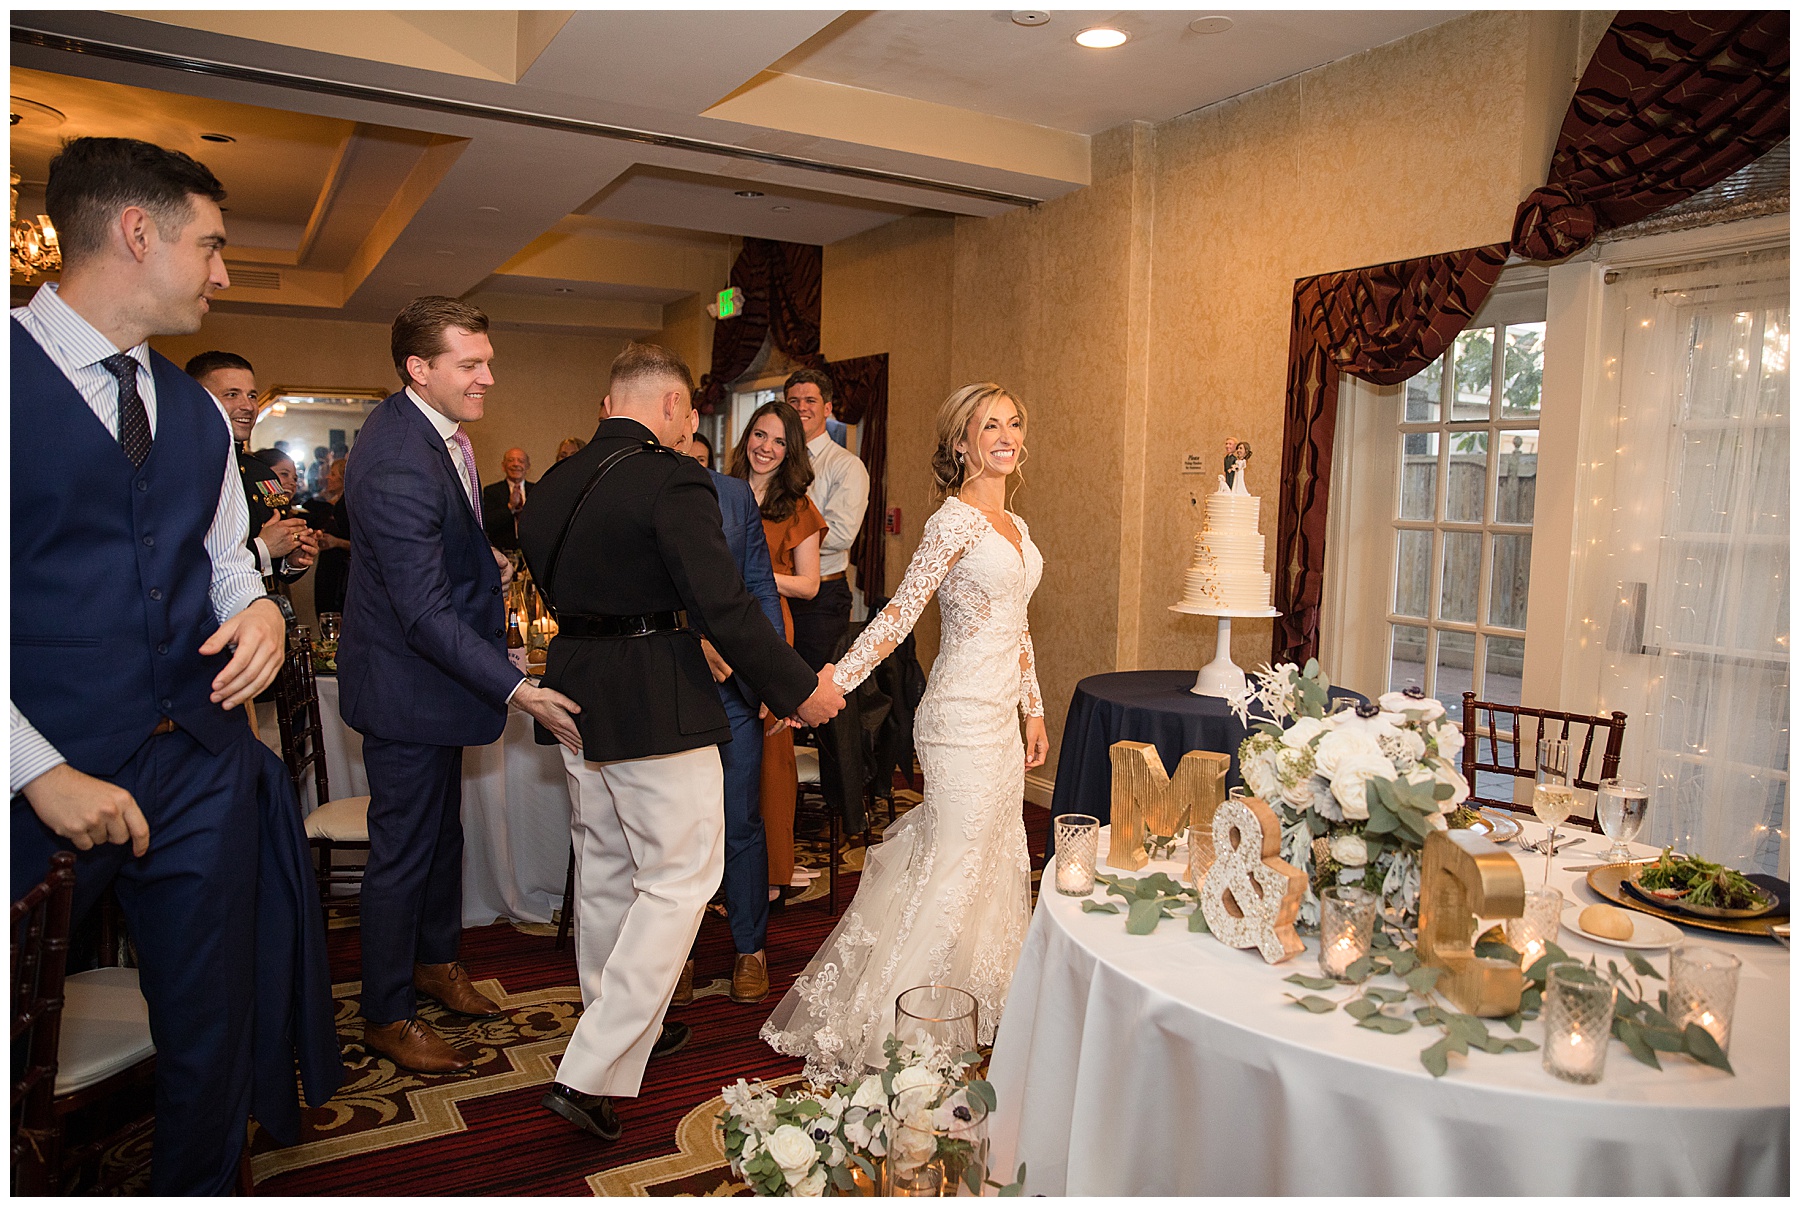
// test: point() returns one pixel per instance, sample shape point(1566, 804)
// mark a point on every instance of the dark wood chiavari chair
point(1482, 723)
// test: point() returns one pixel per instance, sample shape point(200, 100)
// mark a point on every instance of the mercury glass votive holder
point(1537, 927)
point(1703, 985)
point(1346, 928)
point(1578, 1017)
point(1077, 851)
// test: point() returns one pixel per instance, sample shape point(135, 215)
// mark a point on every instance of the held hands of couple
point(825, 702)
point(283, 536)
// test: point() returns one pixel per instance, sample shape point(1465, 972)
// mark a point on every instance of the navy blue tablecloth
point(1138, 706)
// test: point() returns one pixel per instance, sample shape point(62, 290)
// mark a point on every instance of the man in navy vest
point(139, 625)
point(423, 671)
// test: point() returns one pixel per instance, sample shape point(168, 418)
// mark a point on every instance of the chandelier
point(34, 245)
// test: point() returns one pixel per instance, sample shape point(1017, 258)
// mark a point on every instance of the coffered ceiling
point(587, 168)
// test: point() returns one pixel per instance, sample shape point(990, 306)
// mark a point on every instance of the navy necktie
point(134, 420)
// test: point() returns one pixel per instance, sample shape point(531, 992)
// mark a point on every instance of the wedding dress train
point(945, 898)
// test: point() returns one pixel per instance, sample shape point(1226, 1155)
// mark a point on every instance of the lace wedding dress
point(945, 898)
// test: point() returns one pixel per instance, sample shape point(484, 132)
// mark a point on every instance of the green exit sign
point(730, 303)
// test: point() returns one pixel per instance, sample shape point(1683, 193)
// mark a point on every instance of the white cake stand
point(1221, 677)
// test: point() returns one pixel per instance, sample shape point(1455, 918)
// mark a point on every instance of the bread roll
point(1607, 921)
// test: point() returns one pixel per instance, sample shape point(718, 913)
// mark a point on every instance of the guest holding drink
point(771, 455)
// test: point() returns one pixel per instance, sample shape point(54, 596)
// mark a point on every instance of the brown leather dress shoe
point(684, 988)
point(450, 985)
point(410, 1044)
point(750, 978)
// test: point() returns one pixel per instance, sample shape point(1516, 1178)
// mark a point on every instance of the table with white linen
point(1171, 1064)
point(515, 812)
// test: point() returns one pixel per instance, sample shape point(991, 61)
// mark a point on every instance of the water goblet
point(1621, 805)
point(1552, 803)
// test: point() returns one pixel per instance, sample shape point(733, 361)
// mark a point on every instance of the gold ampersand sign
point(1464, 875)
point(1251, 897)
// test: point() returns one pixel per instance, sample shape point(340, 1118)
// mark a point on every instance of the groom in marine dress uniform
point(626, 541)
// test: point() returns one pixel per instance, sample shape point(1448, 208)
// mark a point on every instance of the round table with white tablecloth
point(1170, 1064)
point(515, 811)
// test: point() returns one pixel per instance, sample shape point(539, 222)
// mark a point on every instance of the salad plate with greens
point(1691, 885)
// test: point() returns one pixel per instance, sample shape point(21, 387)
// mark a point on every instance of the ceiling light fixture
point(487, 209)
point(445, 251)
point(1210, 25)
point(217, 138)
point(1030, 17)
point(746, 193)
point(780, 209)
point(34, 244)
point(564, 289)
point(1101, 38)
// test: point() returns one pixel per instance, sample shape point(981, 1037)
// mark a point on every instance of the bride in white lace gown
point(945, 898)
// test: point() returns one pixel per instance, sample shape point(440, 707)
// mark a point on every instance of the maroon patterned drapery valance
point(781, 284)
point(1383, 324)
point(1671, 103)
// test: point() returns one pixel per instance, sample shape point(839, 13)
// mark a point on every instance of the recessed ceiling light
point(1210, 25)
point(1030, 16)
point(746, 193)
point(413, 284)
point(780, 209)
point(564, 289)
point(487, 209)
point(1101, 38)
point(445, 251)
point(217, 138)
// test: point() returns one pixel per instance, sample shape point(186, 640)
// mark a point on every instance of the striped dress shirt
point(75, 347)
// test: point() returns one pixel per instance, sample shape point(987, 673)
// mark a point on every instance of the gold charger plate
point(1608, 881)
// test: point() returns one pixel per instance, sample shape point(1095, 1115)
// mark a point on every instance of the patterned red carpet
point(393, 1132)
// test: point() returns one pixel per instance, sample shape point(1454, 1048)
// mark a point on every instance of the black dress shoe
point(589, 1112)
point(674, 1037)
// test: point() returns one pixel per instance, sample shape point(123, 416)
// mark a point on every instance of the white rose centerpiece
point(1357, 789)
point(924, 1109)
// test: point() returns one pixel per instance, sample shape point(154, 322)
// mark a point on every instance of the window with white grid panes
point(1462, 513)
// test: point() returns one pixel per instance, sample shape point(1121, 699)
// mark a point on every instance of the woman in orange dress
point(771, 456)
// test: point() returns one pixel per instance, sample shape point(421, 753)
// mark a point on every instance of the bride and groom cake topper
point(1237, 457)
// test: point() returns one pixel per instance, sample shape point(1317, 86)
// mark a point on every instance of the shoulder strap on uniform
point(600, 471)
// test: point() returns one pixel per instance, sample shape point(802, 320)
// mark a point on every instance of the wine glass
point(1621, 806)
point(1552, 761)
point(1552, 803)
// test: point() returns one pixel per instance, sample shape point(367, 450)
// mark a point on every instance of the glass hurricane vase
point(937, 1152)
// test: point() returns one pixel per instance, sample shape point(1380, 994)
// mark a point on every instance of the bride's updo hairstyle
point(969, 405)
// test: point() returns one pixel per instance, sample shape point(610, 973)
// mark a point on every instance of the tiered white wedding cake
point(1227, 570)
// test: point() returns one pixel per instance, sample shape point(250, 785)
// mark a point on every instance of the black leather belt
point(591, 627)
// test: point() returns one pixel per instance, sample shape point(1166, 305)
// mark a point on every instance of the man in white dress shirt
point(139, 624)
point(840, 488)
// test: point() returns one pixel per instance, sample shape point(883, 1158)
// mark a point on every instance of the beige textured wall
point(1147, 315)
point(546, 387)
point(890, 291)
point(688, 333)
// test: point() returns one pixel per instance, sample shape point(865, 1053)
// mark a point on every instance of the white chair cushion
point(345, 819)
point(105, 1028)
point(806, 762)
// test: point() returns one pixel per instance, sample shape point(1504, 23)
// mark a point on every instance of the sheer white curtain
point(1682, 548)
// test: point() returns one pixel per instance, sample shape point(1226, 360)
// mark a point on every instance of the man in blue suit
point(139, 625)
point(423, 671)
point(746, 847)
